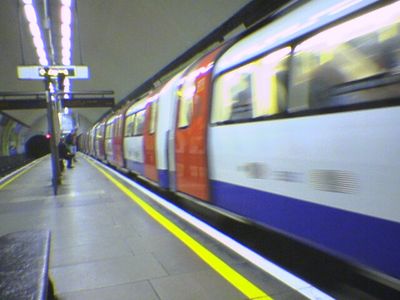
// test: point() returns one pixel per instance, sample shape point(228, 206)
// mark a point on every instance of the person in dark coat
point(64, 154)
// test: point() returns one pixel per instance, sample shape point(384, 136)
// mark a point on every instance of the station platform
point(112, 239)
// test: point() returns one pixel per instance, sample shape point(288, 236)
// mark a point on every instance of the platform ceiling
point(123, 42)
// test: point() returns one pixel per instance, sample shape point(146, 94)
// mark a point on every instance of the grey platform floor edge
point(104, 246)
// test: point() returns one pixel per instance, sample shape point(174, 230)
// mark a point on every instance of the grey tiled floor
point(103, 246)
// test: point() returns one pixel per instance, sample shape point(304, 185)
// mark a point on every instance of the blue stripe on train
point(135, 167)
point(367, 240)
point(163, 178)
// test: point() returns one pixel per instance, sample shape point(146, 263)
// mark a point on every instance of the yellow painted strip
point(7, 182)
point(250, 290)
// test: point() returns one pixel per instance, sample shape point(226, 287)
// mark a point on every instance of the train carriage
point(304, 130)
point(294, 126)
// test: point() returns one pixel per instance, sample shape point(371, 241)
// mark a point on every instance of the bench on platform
point(24, 261)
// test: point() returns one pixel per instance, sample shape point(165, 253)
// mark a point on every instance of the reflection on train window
point(241, 106)
point(186, 95)
point(119, 126)
point(349, 63)
point(116, 126)
point(100, 131)
point(139, 122)
point(254, 90)
point(153, 116)
point(272, 83)
point(132, 129)
point(129, 125)
point(109, 130)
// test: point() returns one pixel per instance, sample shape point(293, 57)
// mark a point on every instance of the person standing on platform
point(70, 140)
point(64, 154)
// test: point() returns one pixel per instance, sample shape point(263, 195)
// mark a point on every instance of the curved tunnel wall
point(12, 136)
point(16, 139)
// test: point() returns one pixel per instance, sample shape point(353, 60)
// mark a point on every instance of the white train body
point(323, 170)
point(295, 126)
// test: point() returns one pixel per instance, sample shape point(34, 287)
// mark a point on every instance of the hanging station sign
point(39, 72)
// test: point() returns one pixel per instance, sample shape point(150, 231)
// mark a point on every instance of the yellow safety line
point(250, 290)
point(14, 177)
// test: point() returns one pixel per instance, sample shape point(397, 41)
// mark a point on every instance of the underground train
point(294, 126)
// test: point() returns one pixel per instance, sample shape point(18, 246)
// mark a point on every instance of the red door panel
point(150, 166)
point(118, 139)
point(191, 139)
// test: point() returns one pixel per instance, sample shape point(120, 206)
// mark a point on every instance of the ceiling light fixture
point(66, 20)
point(31, 17)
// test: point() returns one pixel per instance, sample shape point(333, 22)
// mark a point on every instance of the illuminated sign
point(39, 72)
point(54, 71)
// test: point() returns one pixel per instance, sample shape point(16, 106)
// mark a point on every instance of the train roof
point(295, 23)
point(137, 106)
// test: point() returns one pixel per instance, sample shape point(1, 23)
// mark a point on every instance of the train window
point(132, 126)
point(109, 130)
point(233, 95)
point(153, 116)
point(139, 122)
point(114, 129)
point(271, 83)
point(255, 90)
point(119, 127)
point(186, 94)
point(129, 122)
point(102, 130)
point(99, 131)
point(349, 63)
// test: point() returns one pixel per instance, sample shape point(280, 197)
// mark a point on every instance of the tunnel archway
point(37, 146)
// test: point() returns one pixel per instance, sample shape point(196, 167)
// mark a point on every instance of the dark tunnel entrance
point(37, 146)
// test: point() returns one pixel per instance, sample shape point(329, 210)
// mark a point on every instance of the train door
point(108, 141)
point(100, 137)
point(118, 139)
point(150, 163)
point(191, 129)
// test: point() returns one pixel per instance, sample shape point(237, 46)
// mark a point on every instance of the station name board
point(54, 71)
point(39, 72)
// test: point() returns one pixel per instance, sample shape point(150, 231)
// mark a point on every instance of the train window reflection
point(129, 125)
point(139, 122)
point(349, 63)
point(118, 126)
point(254, 90)
point(233, 95)
point(153, 116)
point(99, 131)
point(272, 85)
point(186, 95)
point(241, 92)
point(109, 129)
